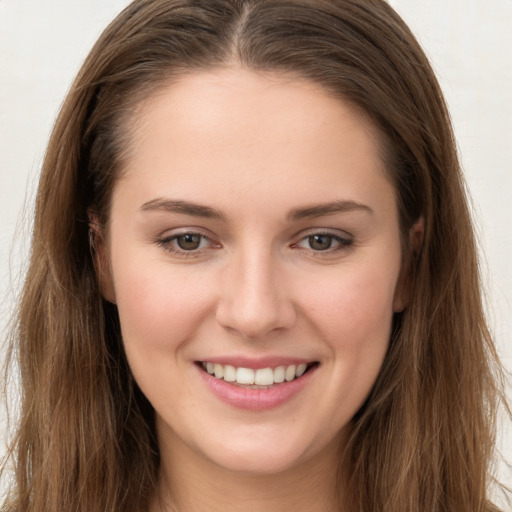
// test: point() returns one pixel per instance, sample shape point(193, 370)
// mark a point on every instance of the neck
point(190, 483)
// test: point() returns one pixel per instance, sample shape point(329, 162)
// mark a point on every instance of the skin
point(258, 149)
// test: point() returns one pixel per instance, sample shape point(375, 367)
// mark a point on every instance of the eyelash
point(342, 242)
point(169, 243)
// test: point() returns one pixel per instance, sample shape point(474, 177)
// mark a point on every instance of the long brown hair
point(423, 441)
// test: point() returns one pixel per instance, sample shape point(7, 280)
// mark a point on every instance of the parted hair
point(424, 438)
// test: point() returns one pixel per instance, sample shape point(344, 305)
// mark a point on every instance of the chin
point(263, 452)
point(266, 461)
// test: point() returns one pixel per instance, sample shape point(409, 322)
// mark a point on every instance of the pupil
point(320, 242)
point(189, 242)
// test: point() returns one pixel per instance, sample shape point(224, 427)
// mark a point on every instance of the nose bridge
point(253, 299)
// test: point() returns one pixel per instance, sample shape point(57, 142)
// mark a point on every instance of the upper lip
point(257, 363)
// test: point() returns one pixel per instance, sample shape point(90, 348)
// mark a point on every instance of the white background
point(43, 42)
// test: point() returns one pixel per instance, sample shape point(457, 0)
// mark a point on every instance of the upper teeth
point(260, 377)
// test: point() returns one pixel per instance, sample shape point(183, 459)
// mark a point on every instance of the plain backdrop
point(43, 42)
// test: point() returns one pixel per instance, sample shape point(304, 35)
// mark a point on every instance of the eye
point(320, 242)
point(324, 242)
point(186, 243)
point(189, 241)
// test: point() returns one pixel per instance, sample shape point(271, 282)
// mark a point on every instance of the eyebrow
point(183, 207)
point(198, 210)
point(320, 210)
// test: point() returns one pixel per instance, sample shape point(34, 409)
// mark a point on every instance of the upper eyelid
point(173, 236)
point(193, 230)
point(169, 245)
point(337, 233)
point(170, 234)
point(343, 240)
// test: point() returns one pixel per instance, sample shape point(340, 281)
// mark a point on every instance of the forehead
point(249, 129)
point(227, 94)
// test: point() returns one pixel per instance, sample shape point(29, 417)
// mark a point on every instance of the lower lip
point(255, 399)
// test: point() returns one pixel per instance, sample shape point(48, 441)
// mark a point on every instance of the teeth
point(279, 374)
point(264, 377)
point(289, 374)
point(260, 377)
point(244, 376)
point(229, 373)
point(300, 370)
point(219, 371)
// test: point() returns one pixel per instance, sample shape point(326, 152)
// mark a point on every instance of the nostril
point(253, 319)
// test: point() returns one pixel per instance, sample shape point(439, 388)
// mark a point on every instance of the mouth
point(260, 378)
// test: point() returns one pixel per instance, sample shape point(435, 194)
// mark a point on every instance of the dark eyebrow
point(183, 207)
point(320, 210)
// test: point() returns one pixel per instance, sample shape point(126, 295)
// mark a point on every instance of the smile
point(266, 386)
point(260, 378)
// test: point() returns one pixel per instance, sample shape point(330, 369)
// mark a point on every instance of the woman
point(253, 282)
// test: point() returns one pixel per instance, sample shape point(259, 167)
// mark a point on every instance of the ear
point(101, 261)
point(403, 289)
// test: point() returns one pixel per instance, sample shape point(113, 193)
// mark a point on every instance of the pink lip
point(255, 399)
point(257, 363)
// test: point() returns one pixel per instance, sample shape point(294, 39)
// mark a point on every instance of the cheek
point(158, 308)
point(358, 304)
point(159, 312)
point(354, 316)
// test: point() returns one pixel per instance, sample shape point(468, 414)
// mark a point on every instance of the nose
point(253, 301)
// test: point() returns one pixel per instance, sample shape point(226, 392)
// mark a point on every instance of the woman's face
point(253, 235)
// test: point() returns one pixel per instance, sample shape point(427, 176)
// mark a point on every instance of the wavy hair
point(423, 440)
